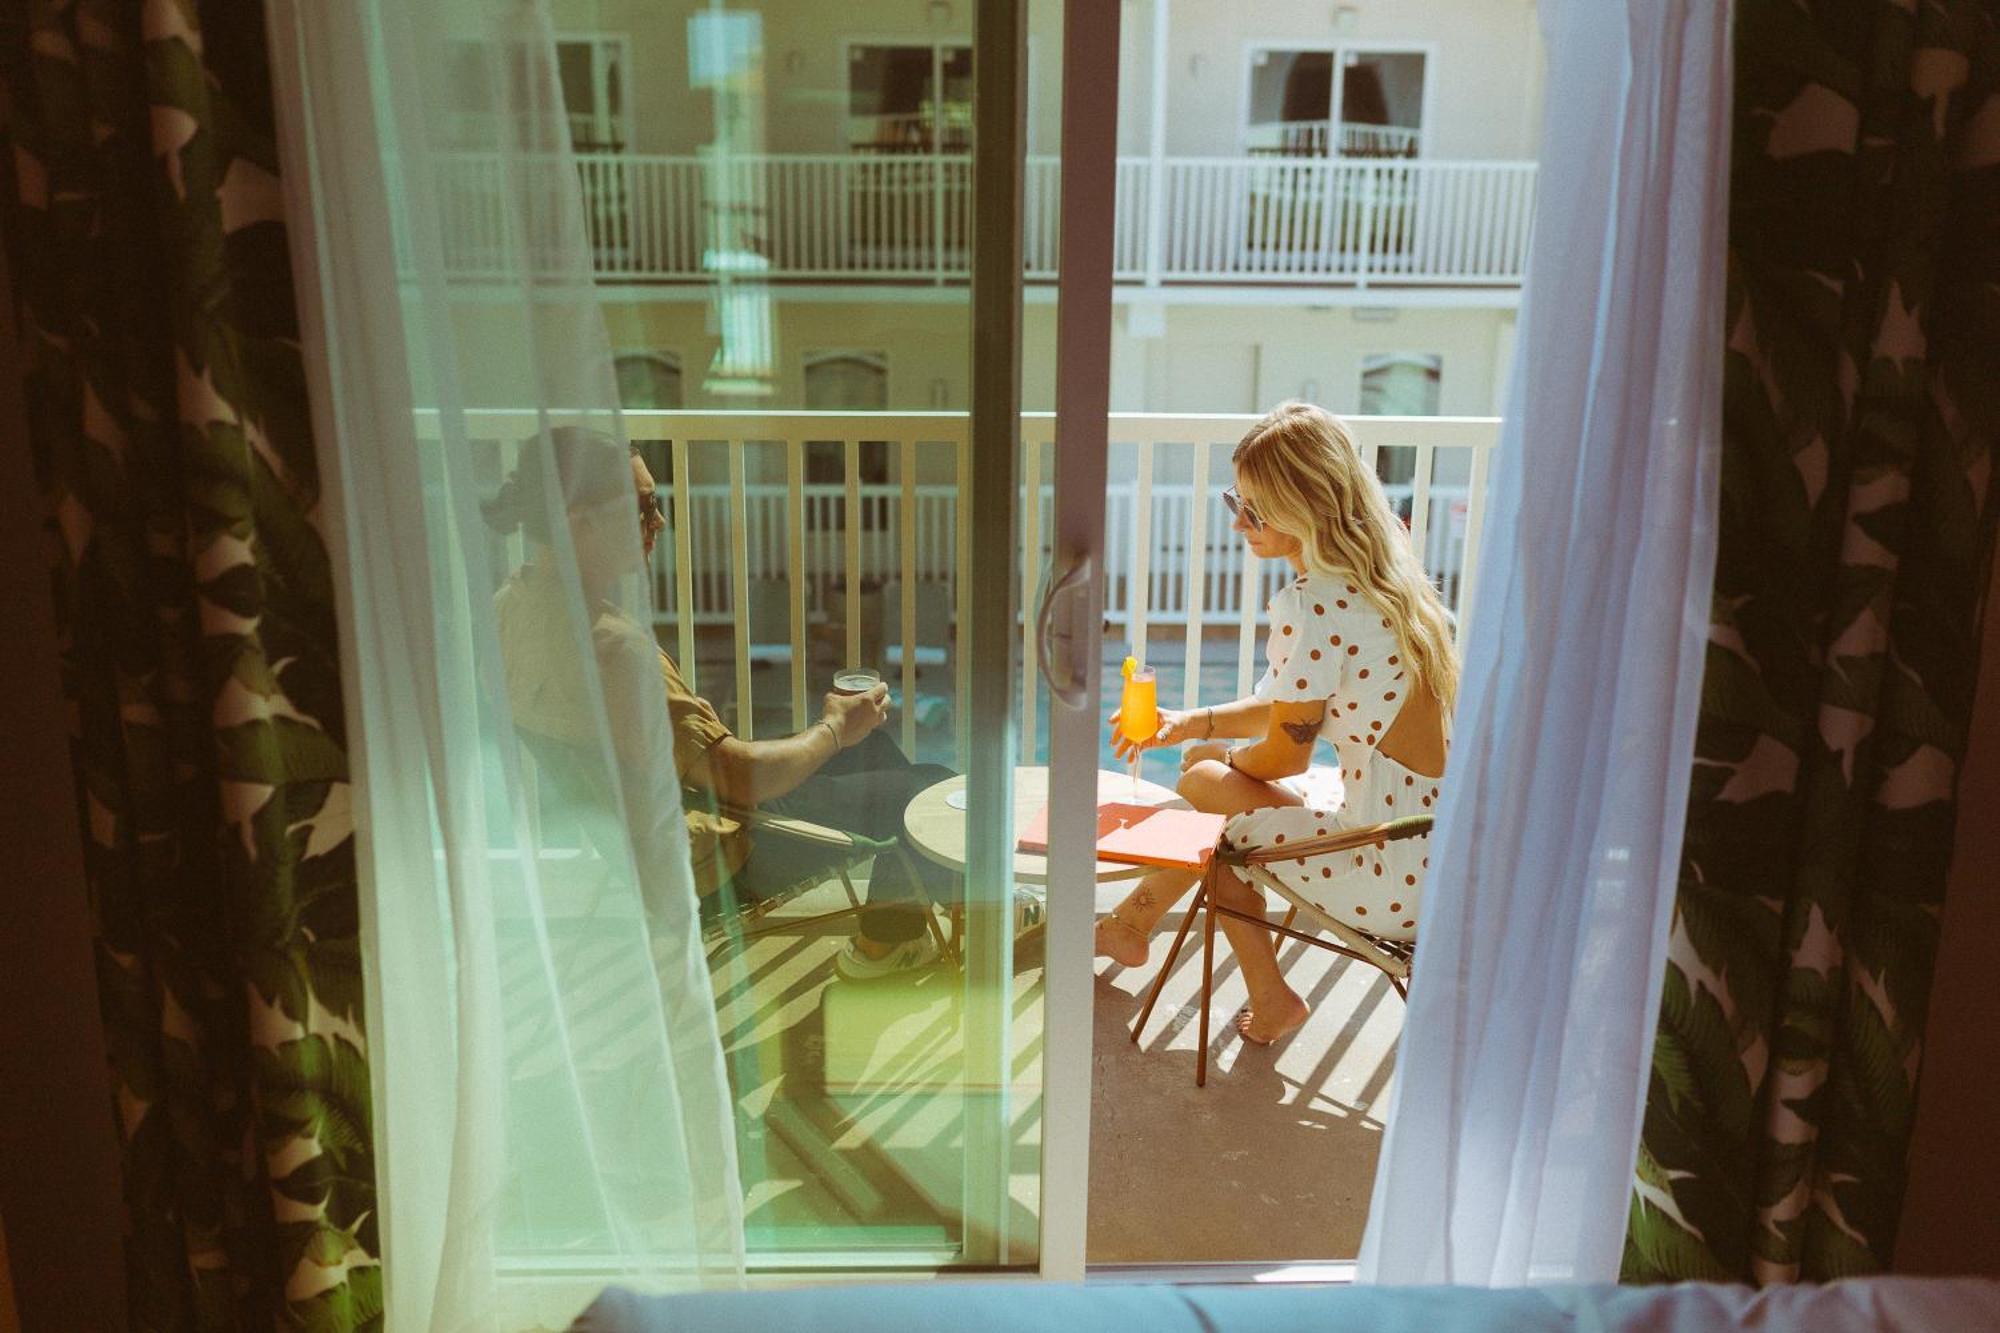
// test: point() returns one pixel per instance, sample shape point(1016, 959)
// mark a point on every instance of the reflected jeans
point(864, 789)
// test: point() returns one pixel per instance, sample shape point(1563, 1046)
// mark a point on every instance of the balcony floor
point(1275, 1158)
point(850, 1110)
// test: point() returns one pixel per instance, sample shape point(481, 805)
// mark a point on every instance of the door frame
point(1089, 151)
point(1083, 339)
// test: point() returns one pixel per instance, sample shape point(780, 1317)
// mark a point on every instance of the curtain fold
point(1515, 1117)
point(1862, 389)
point(554, 1107)
point(169, 428)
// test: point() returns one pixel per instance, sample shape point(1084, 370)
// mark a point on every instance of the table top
point(938, 831)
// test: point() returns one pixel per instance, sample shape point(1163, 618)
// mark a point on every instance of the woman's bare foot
point(1122, 944)
point(1266, 1023)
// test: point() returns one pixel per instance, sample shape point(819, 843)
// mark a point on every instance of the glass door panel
point(791, 267)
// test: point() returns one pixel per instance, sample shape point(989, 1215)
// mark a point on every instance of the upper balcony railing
point(903, 218)
point(1312, 138)
point(765, 570)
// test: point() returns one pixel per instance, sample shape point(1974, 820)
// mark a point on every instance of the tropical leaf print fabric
point(1861, 409)
point(170, 429)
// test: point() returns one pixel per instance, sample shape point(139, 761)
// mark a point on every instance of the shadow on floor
point(1275, 1158)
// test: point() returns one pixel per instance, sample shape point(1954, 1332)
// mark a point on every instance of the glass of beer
point(856, 680)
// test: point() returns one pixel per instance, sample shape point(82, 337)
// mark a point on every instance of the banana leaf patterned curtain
point(170, 428)
point(1861, 411)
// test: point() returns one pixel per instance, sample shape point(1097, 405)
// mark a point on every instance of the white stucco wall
point(1213, 358)
point(1261, 355)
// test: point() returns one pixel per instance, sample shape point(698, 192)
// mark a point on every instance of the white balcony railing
point(1315, 137)
point(907, 218)
point(762, 566)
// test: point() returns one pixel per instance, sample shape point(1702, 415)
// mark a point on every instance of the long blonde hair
point(1308, 478)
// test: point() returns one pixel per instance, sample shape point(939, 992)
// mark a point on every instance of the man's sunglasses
point(1239, 507)
point(651, 508)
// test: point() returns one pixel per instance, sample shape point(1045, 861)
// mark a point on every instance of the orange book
point(1146, 835)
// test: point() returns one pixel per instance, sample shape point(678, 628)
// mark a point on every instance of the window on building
point(848, 381)
point(649, 380)
point(1343, 101)
point(591, 70)
point(909, 99)
point(1401, 384)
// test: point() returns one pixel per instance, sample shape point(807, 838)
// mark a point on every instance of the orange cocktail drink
point(1139, 712)
point(1139, 706)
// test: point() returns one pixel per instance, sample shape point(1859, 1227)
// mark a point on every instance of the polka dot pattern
point(1331, 644)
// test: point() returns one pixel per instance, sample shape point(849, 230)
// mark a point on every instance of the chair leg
point(1207, 984)
point(853, 898)
point(947, 947)
point(1290, 917)
point(1180, 936)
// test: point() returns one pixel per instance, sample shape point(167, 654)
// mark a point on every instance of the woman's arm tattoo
point(1302, 733)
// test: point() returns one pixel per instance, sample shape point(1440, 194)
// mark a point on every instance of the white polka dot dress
point(1329, 641)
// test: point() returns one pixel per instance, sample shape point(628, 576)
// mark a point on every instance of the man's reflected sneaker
point(907, 956)
point(1031, 912)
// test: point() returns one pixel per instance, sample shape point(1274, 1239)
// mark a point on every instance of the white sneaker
point(1031, 913)
point(908, 956)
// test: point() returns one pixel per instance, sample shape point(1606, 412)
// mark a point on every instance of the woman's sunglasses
point(651, 508)
point(1239, 507)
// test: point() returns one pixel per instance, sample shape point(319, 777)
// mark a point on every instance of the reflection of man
point(842, 772)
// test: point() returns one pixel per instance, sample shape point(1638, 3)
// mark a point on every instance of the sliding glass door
point(824, 333)
point(699, 935)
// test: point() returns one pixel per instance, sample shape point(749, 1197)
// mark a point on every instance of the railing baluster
point(795, 569)
point(1420, 507)
point(1368, 215)
point(1197, 568)
point(739, 544)
point(1140, 595)
point(937, 169)
point(1475, 518)
point(850, 531)
point(1246, 621)
point(906, 541)
point(683, 500)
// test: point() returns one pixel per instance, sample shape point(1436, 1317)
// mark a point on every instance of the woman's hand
point(1175, 726)
point(1194, 754)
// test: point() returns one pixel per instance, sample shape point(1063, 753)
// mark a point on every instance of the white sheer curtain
point(548, 1076)
point(1521, 1079)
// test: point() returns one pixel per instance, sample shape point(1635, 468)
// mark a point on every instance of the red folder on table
point(1142, 834)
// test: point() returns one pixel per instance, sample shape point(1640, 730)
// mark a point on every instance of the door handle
point(1058, 649)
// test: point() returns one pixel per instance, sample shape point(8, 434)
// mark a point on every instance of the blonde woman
point(1361, 657)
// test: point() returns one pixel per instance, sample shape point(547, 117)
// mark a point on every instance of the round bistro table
point(938, 831)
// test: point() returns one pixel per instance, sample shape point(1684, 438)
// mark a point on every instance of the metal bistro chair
point(842, 852)
point(1392, 957)
point(578, 778)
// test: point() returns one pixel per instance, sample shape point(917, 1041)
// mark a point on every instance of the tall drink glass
point(1139, 711)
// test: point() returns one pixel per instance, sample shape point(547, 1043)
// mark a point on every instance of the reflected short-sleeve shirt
point(550, 699)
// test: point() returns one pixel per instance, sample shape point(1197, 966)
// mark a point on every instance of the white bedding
point(1889, 1304)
